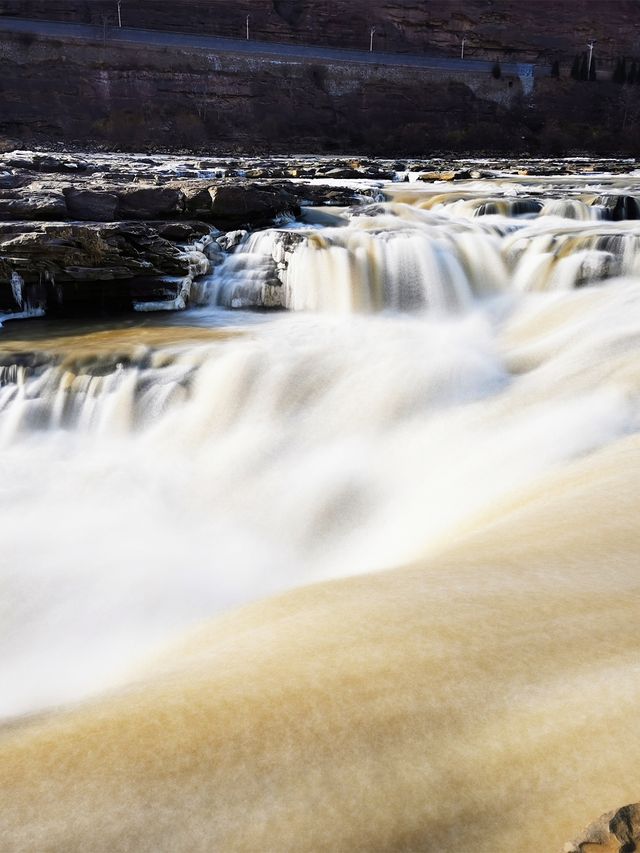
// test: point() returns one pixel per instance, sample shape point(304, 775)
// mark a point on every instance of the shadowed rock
point(91, 205)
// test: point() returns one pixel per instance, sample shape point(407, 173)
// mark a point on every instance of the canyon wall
point(120, 96)
point(537, 30)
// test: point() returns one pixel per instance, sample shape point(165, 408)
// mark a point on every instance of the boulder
point(91, 205)
point(613, 832)
point(150, 203)
point(619, 207)
point(182, 231)
point(32, 205)
point(234, 205)
point(69, 252)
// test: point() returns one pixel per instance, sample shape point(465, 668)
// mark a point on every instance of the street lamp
point(119, 14)
point(373, 29)
point(248, 16)
point(590, 46)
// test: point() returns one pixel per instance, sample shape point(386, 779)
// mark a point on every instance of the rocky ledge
point(614, 832)
point(80, 236)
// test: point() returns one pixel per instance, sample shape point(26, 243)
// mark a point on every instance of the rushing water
point(445, 400)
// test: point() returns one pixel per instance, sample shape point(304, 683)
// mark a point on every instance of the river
point(357, 573)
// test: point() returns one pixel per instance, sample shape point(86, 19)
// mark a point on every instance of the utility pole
point(590, 46)
point(462, 48)
point(373, 29)
point(248, 16)
point(119, 14)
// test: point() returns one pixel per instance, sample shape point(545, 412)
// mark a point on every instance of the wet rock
point(231, 239)
point(619, 207)
point(427, 177)
point(341, 172)
point(516, 207)
point(614, 832)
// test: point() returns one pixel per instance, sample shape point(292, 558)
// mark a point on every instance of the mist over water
point(437, 371)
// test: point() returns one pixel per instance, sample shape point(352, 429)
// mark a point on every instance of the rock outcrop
point(72, 267)
point(86, 235)
point(492, 28)
point(614, 832)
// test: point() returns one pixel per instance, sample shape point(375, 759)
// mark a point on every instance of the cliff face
point(120, 96)
point(534, 30)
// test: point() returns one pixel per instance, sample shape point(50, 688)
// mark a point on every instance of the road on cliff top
point(271, 50)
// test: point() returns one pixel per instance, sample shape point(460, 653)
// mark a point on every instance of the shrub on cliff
point(575, 68)
point(620, 72)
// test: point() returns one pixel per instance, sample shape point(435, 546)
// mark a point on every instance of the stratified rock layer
point(535, 30)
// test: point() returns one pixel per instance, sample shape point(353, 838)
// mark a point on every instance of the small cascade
point(104, 395)
point(563, 259)
point(251, 276)
point(573, 208)
point(509, 207)
point(17, 285)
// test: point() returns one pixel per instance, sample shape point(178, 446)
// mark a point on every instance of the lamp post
point(248, 16)
point(373, 29)
point(590, 46)
point(462, 48)
point(119, 14)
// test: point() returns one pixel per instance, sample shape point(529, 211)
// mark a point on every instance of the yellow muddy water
point(354, 580)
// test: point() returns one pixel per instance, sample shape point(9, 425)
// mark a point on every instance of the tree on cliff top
point(620, 72)
point(575, 68)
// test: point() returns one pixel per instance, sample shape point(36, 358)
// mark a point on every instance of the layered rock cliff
point(535, 30)
point(84, 93)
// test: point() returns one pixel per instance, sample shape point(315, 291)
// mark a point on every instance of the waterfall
point(17, 285)
point(408, 258)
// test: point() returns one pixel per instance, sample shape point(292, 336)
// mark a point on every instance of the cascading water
point(445, 401)
point(432, 256)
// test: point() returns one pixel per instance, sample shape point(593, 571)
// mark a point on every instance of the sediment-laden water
point(435, 447)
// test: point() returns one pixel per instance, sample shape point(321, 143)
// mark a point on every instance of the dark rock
point(91, 205)
point(619, 207)
point(32, 205)
point(182, 231)
point(238, 204)
point(150, 203)
point(11, 182)
point(72, 252)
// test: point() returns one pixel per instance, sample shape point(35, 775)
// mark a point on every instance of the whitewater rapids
point(329, 582)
